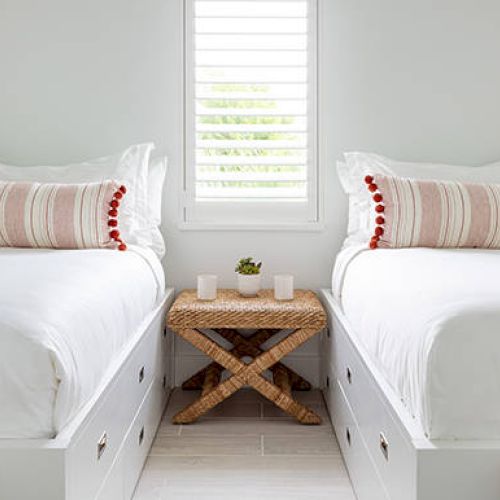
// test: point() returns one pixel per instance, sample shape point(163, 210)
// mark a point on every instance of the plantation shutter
point(251, 102)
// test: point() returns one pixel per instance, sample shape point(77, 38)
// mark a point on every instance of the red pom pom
point(115, 234)
point(114, 203)
point(372, 188)
point(368, 179)
point(379, 220)
point(118, 195)
point(112, 222)
point(380, 208)
point(377, 198)
point(379, 231)
point(373, 244)
point(122, 247)
point(123, 189)
point(113, 212)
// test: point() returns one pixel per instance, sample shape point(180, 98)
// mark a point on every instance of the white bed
point(412, 371)
point(430, 320)
point(64, 316)
point(84, 370)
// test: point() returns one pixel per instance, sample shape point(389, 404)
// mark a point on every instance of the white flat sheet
point(430, 319)
point(64, 315)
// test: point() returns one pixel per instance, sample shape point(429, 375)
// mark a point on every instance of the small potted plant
point(248, 277)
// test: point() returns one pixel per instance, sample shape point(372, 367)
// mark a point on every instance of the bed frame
point(384, 448)
point(99, 455)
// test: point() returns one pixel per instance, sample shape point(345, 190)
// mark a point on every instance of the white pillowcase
point(129, 167)
point(156, 181)
point(358, 165)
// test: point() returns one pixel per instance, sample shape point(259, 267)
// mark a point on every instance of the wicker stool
point(304, 315)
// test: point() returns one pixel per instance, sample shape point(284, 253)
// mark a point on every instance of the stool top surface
point(231, 310)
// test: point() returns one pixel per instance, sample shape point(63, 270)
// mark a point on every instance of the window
point(250, 113)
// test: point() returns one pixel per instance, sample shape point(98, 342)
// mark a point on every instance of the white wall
point(413, 79)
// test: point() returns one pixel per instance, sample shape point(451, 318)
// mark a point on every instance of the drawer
point(362, 471)
point(393, 456)
point(94, 451)
point(141, 435)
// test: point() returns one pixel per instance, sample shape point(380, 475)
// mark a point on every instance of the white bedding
point(430, 319)
point(64, 315)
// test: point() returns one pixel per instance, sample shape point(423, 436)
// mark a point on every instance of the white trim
point(255, 214)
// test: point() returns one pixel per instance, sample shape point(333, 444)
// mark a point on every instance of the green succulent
point(248, 266)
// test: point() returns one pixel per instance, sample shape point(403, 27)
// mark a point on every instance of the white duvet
point(430, 318)
point(64, 315)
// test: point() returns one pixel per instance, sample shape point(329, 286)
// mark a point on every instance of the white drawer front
point(392, 454)
point(92, 455)
point(141, 435)
point(363, 473)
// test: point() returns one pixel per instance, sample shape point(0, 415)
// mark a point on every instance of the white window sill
point(280, 227)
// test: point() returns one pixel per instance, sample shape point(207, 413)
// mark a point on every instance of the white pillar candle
point(283, 287)
point(207, 287)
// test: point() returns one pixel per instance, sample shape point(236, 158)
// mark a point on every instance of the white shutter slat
point(249, 160)
point(266, 145)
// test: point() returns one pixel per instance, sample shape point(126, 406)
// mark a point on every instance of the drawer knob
point(384, 446)
point(348, 436)
point(141, 436)
point(141, 374)
point(101, 445)
point(348, 374)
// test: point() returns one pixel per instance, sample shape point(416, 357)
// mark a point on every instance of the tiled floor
point(244, 449)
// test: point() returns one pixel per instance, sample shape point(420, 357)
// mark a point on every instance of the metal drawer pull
point(384, 446)
point(164, 382)
point(348, 435)
point(101, 445)
point(348, 375)
point(141, 436)
point(141, 374)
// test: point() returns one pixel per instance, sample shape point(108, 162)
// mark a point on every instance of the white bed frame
point(385, 450)
point(99, 455)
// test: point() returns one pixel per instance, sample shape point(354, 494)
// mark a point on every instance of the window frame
point(246, 214)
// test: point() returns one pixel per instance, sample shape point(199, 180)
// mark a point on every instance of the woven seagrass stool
point(304, 316)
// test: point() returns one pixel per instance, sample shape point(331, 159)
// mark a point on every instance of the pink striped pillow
point(437, 214)
point(60, 215)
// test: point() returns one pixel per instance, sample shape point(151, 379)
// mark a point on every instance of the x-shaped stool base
point(243, 374)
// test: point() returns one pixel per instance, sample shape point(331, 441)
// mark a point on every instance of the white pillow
point(156, 181)
point(130, 168)
point(358, 165)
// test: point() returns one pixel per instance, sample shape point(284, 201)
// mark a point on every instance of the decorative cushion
point(60, 215)
point(438, 214)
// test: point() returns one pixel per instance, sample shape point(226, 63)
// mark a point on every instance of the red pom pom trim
point(114, 204)
point(379, 209)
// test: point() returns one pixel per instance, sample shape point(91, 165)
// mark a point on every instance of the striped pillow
point(60, 215)
point(437, 214)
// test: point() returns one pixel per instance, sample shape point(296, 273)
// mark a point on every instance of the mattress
point(430, 320)
point(64, 316)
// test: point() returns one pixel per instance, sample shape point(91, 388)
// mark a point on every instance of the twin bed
point(85, 358)
point(84, 370)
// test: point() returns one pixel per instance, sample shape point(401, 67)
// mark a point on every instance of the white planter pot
point(249, 284)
